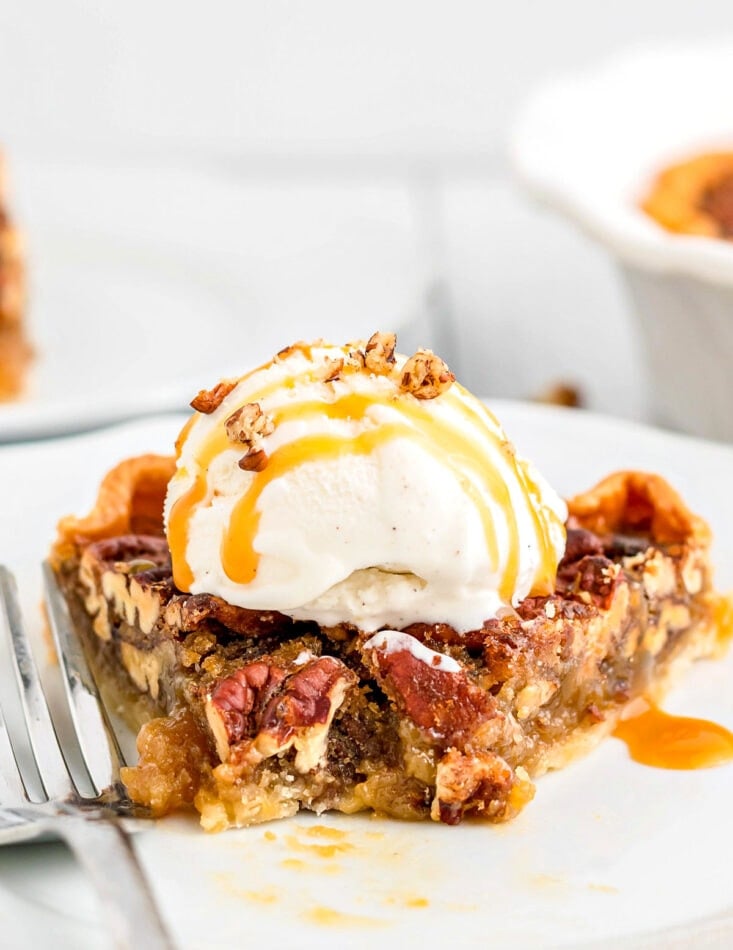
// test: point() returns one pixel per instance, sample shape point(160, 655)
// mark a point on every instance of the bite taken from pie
point(348, 591)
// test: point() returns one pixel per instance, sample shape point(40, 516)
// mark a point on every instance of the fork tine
point(97, 741)
point(41, 732)
point(12, 787)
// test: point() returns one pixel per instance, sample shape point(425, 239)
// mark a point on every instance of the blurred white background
point(410, 103)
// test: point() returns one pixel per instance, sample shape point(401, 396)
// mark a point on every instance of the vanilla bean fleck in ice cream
point(352, 485)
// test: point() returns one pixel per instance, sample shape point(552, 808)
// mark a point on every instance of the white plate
point(148, 283)
point(608, 850)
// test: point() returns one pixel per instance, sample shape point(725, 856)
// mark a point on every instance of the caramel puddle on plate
point(229, 883)
point(296, 864)
point(412, 901)
point(603, 888)
point(654, 737)
point(549, 882)
point(311, 848)
point(328, 917)
point(557, 885)
point(337, 844)
point(320, 843)
point(334, 839)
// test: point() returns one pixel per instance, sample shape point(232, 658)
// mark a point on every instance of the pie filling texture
point(249, 716)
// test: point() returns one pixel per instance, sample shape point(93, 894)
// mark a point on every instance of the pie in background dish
point(250, 714)
point(15, 351)
point(695, 196)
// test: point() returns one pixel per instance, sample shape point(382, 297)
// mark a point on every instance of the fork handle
point(103, 848)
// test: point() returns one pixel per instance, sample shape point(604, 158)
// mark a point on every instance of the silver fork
point(90, 825)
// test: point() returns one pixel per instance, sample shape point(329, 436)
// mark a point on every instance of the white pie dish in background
point(589, 146)
point(149, 282)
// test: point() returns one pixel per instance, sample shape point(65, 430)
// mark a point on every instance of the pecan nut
point(191, 612)
point(482, 783)
point(578, 544)
point(445, 705)
point(426, 376)
point(126, 578)
point(593, 580)
point(249, 424)
point(301, 714)
point(379, 353)
point(264, 710)
point(232, 708)
point(332, 369)
point(208, 400)
point(254, 461)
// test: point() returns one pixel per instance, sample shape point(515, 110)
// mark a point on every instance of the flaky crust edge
point(129, 501)
point(638, 502)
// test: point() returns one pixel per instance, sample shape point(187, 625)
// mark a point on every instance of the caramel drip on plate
point(664, 741)
point(456, 450)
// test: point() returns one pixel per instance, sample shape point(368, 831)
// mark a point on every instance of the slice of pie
point(252, 713)
point(15, 351)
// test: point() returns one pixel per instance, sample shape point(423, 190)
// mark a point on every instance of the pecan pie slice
point(15, 352)
point(250, 716)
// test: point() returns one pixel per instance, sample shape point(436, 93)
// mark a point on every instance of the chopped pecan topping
point(332, 369)
point(445, 705)
point(426, 376)
point(208, 400)
point(355, 359)
point(254, 461)
point(379, 353)
point(249, 424)
point(482, 783)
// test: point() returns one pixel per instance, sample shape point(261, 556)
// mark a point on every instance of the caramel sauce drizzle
point(544, 519)
point(183, 509)
point(183, 435)
point(656, 738)
point(457, 450)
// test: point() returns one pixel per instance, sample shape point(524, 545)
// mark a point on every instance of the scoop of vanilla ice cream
point(358, 501)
